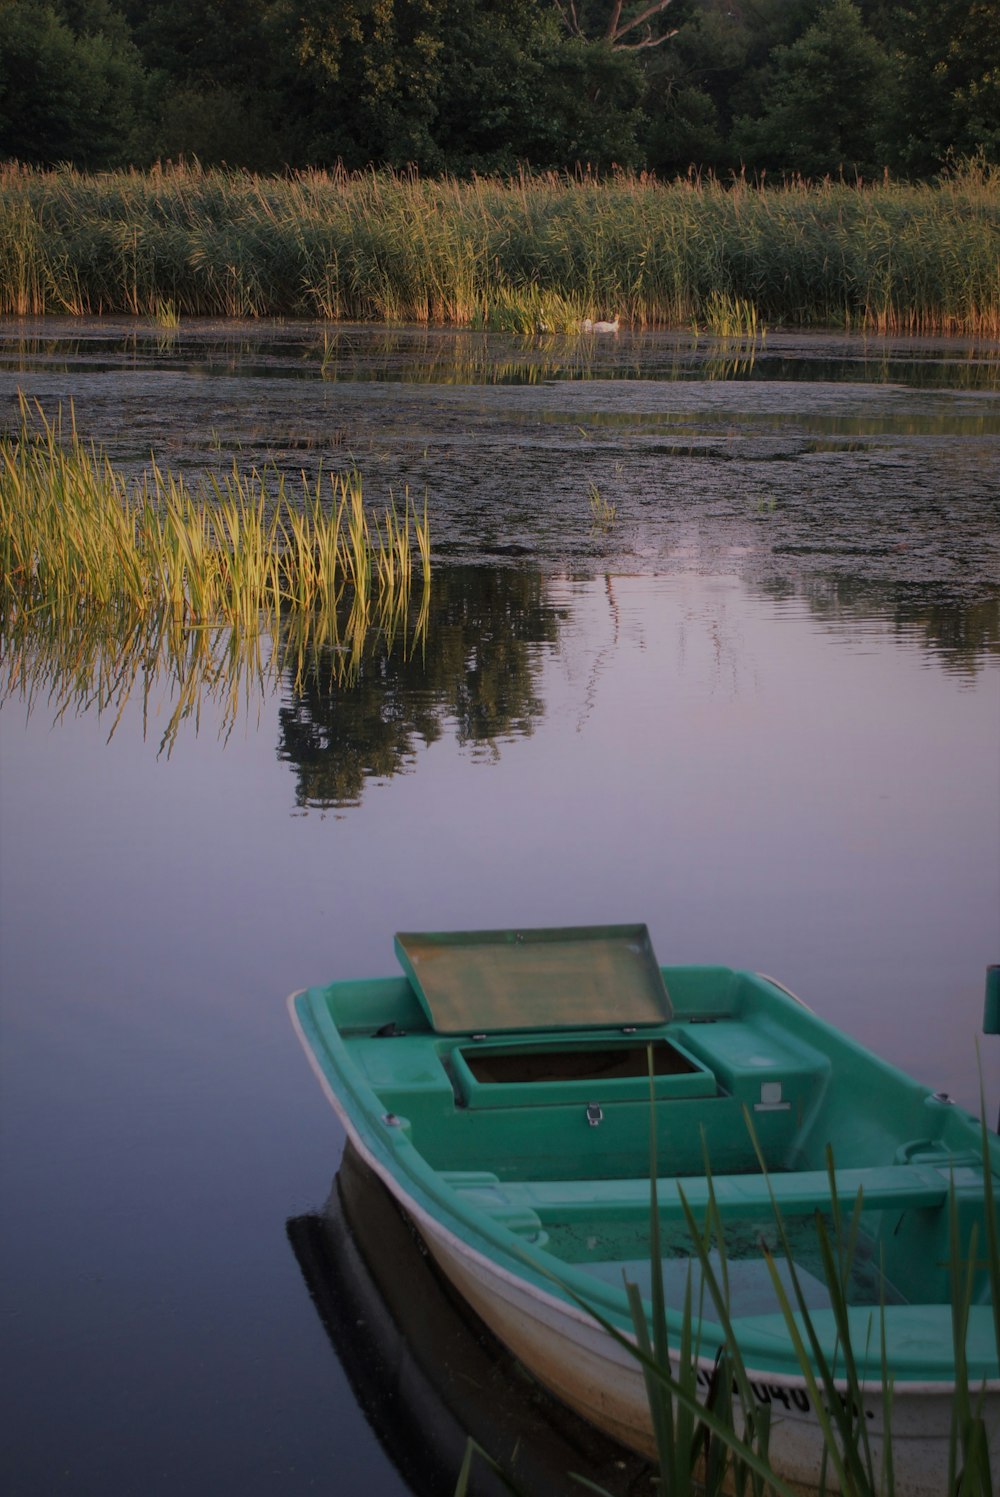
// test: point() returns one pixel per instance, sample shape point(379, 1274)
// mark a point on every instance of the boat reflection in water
point(426, 1372)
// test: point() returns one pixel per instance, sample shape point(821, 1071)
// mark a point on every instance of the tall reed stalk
point(522, 255)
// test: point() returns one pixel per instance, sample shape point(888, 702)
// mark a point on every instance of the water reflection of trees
point(959, 634)
point(362, 691)
point(476, 678)
point(102, 659)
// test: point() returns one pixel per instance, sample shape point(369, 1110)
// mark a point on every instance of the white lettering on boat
point(795, 1400)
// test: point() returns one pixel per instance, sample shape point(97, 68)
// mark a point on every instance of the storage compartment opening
point(600, 1063)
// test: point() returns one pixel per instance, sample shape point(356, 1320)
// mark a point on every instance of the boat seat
point(483, 1190)
point(885, 1187)
point(400, 1068)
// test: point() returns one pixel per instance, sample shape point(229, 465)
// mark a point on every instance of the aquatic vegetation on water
point(166, 315)
point(728, 316)
point(603, 511)
point(527, 309)
point(525, 254)
point(242, 549)
point(109, 586)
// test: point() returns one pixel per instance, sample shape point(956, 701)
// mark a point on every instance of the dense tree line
point(778, 86)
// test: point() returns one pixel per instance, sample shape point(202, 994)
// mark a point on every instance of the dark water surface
point(769, 729)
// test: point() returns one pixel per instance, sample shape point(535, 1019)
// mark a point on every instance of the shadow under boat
point(425, 1371)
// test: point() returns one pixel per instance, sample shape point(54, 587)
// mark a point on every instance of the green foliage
point(804, 87)
point(949, 104)
point(603, 511)
point(459, 85)
point(687, 131)
point(825, 108)
point(702, 1449)
point(716, 68)
point(67, 95)
point(730, 317)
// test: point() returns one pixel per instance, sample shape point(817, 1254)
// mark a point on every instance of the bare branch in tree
point(617, 28)
point(611, 35)
point(622, 28)
point(569, 16)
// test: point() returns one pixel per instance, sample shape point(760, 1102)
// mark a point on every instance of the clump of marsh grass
point(603, 512)
point(241, 549)
point(166, 315)
point(527, 310)
point(328, 358)
point(727, 316)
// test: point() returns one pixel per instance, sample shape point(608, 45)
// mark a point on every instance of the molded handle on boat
point(991, 1007)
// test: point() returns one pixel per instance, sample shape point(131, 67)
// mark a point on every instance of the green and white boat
point(501, 1088)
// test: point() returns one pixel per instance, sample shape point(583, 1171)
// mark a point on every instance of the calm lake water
point(758, 709)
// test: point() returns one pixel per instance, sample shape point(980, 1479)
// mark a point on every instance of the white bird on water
point(589, 326)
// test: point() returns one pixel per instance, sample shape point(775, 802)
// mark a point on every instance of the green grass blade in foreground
point(969, 1439)
point(682, 1431)
point(982, 1454)
point(837, 1431)
point(666, 1390)
point(838, 1257)
point(474, 1449)
point(961, 1411)
point(721, 1428)
point(657, 1391)
point(756, 1416)
point(888, 1465)
point(989, 1198)
point(658, 1388)
point(755, 1426)
point(857, 1447)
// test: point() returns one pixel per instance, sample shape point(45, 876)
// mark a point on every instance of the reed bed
point(532, 253)
point(242, 550)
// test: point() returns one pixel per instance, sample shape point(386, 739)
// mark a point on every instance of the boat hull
point(585, 1367)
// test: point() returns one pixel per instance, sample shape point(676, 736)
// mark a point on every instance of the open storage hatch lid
point(589, 976)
